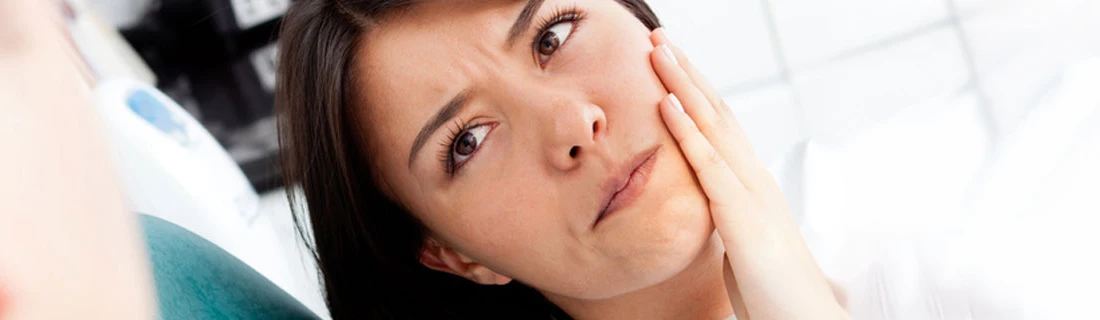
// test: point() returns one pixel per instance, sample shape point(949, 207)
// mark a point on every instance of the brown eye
point(466, 144)
point(549, 43)
point(552, 39)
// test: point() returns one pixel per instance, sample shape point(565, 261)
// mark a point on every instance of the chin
point(674, 238)
point(654, 239)
point(676, 224)
point(660, 237)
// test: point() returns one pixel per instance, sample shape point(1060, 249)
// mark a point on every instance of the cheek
point(498, 217)
point(614, 66)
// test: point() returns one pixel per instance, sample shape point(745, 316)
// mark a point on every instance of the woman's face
point(509, 137)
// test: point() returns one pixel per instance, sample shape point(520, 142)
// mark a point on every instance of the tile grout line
point(881, 43)
point(773, 37)
point(975, 80)
point(749, 86)
point(784, 66)
point(948, 22)
point(989, 119)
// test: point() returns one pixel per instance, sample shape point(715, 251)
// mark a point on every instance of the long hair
point(366, 245)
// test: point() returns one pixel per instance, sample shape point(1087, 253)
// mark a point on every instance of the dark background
point(218, 62)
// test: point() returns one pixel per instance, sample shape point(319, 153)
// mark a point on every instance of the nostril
point(595, 128)
point(574, 151)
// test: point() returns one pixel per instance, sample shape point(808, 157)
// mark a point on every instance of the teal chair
point(195, 279)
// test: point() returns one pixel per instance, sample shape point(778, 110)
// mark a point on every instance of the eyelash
point(447, 157)
point(561, 14)
point(459, 127)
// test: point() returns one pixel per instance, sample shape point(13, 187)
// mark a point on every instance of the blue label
point(146, 106)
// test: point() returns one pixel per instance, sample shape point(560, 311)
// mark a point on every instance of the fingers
point(677, 81)
point(658, 37)
point(722, 131)
point(719, 182)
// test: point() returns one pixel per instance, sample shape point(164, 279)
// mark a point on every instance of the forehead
point(414, 61)
point(431, 42)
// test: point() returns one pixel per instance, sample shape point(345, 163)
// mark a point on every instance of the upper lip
point(620, 177)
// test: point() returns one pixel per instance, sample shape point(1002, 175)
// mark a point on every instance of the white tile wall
point(726, 39)
point(770, 118)
point(971, 6)
point(815, 30)
point(852, 63)
point(1020, 47)
point(844, 96)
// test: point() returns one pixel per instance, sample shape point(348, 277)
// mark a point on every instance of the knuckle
point(714, 159)
point(723, 106)
point(714, 125)
point(721, 124)
point(725, 111)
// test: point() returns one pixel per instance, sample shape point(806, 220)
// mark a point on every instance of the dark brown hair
point(365, 244)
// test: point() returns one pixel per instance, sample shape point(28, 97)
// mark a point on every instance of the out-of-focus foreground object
point(170, 162)
point(104, 49)
point(69, 249)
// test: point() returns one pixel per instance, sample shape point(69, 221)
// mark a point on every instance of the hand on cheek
point(773, 274)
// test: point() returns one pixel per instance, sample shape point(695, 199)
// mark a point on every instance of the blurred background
point(792, 70)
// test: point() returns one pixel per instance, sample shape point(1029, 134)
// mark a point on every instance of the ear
point(439, 257)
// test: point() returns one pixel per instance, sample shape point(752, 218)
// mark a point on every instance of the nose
point(575, 131)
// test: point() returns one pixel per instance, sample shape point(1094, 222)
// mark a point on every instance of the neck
point(697, 292)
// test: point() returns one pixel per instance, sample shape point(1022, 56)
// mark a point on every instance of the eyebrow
point(448, 111)
point(523, 21)
point(458, 102)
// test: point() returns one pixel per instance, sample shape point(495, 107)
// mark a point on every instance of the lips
point(626, 183)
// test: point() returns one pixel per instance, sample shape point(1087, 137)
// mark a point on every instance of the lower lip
point(634, 188)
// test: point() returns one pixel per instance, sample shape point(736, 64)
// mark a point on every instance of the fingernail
point(668, 53)
point(664, 35)
point(675, 102)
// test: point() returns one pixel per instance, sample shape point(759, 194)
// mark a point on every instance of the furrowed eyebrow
point(459, 102)
point(523, 21)
point(448, 111)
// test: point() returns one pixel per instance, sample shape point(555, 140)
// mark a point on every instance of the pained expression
point(547, 126)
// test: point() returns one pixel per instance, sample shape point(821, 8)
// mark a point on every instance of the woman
point(527, 159)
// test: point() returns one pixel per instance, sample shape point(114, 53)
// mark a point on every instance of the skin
point(522, 206)
point(69, 249)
